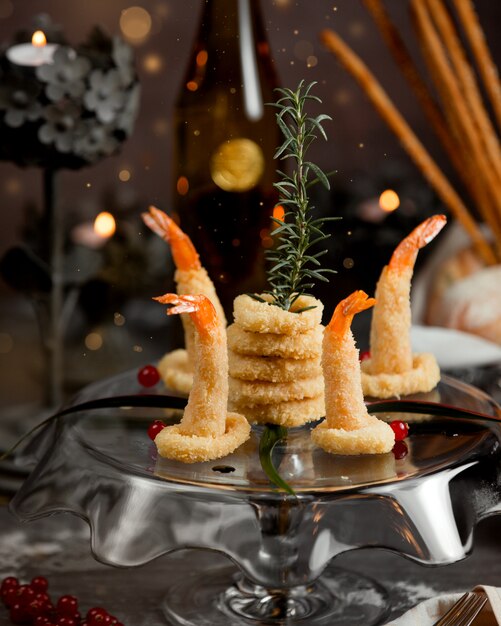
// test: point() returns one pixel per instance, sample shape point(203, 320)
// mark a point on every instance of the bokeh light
point(124, 175)
point(93, 341)
point(389, 200)
point(279, 212)
point(118, 319)
point(13, 186)
point(105, 225)
point(135, 24)
point(182, 185)
point(153, 63)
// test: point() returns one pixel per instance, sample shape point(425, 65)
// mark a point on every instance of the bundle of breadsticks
point(459, 115)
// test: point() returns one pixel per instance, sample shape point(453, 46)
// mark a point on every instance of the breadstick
point(485, 64)
point(410, 142)
point(445, 80)
point(459, 158)
point(467, 80)
point(481, 193)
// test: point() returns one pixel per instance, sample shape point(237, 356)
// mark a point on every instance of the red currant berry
point(8, 583)
point(400, 429)
point(10, 596)
point(400, 450)
point(36, 608)
point(96, 615)
point(19, 614)
point(66, 620)
point(25, 594)
point(41, 620)
point(67, 605)
point(364, 355)
point(40, 584)
point(148, 376)
point(155, 428)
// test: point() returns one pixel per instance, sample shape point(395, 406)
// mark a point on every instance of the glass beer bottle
point(225, 138)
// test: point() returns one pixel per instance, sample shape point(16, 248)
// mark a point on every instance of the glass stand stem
point(55, 222)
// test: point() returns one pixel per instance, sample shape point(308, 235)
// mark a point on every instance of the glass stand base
point(221, 597)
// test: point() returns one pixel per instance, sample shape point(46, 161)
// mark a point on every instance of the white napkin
point(454, 348)
point(429, 611)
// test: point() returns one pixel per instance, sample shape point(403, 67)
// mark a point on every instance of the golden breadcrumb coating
point(422, 377)
point(195, 281)
point(261, 392)
point(348, 428)
point(272, 369)
point(304, 346)
point(391, 323)
point(289, 414)
point(173, 444)
point(206, 430)
point(175, 370)
point(260, 317)
point(375, 437)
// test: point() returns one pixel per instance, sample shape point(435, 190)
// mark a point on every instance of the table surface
point(58, 547)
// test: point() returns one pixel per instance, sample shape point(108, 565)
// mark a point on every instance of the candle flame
point(389, 200)
point(104, 225)
point(39, 40)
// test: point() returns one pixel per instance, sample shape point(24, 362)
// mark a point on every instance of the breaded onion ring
point(261, 392)
point(172, 444)
point(423, 377)
point(373, 438)
point(261, 317)
point(272, 369)
point(175, 370)
point(290, 414)
point(305, 346)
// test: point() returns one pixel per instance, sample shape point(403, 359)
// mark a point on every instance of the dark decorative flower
point(123, 56)
point(127, 116)
point(83, 104)
point(106, 96)
point(63, 125)
point(65, 76)
point(19, 100)
point(95, 141)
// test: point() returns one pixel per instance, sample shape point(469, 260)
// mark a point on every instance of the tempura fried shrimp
point(423, 376)
point(190, 277)
point(348, 428)
point(260, 392)
point(390, 342)
point(272, 369)
point(206, 430)
point(262, 317)
point(290, 414)
point(176, 371)
point(304, 346)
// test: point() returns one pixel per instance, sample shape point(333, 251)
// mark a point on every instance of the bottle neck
point(232, 49)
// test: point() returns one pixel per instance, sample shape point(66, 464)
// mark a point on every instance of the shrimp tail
point(405, 254)
point(200, 309)
point(183, 251)
point(346, 310)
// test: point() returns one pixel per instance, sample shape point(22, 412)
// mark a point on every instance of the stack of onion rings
point(275, 361)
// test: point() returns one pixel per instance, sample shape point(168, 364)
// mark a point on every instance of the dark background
point(360, 146)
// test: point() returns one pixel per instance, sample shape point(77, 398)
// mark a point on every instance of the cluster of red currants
point(31, 604)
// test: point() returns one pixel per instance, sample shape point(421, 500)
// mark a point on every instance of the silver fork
point(464, 611)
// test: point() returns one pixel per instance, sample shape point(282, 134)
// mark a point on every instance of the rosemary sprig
point(294, 268)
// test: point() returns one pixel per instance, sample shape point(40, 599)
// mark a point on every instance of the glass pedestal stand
point(100, 465)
